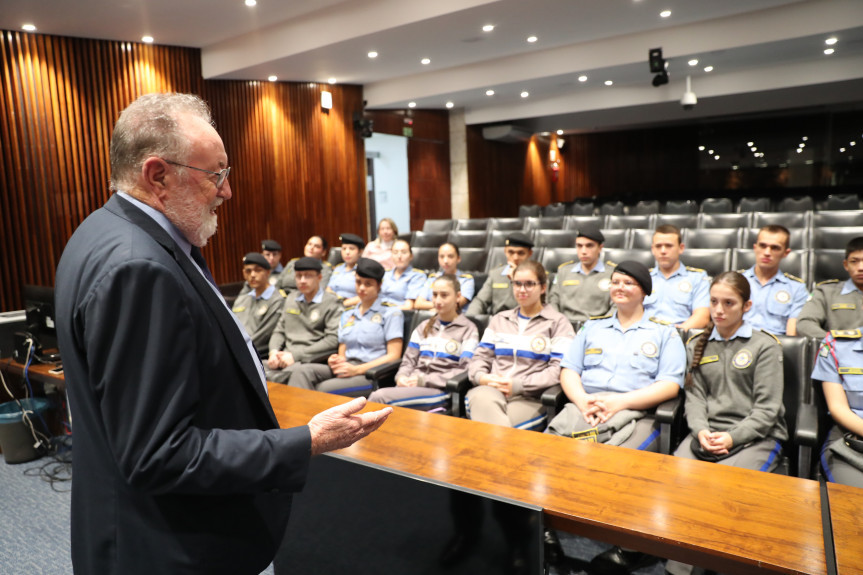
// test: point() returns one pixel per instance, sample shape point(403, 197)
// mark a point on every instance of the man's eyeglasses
point(528, 285)
point(221, 175)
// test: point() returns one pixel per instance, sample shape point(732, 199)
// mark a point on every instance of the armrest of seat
point(384, 371)
point(553, 396)
point(669, 410)
point(457, 387)
point(669, 415)
point(807, 425)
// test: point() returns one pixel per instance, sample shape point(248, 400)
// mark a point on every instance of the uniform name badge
point(593, 350)
point(314, 315)
point(709, 359)
point(783, 296)
point(836, 306)
point(586, 435)
point(377, 318)
point(685, 286)
point(649, 349)
point(604, 284)
point(239, 309)
point(292, 311)
point(571, 282)
point(851, 371)
point(742, 359)
point(500, 285)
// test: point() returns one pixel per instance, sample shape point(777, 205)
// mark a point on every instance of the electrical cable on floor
point(58, 471)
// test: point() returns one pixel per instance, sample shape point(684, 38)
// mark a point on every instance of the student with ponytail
point(733, 389)
point(439, 348)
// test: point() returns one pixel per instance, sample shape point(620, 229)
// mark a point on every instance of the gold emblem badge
point(314, 315)
point(649, 349)
point(742, 359)
point(262, 309)
point(685, 286)
point(538, 344)
point(451, 347)
point(377, 318)
point(783, 296)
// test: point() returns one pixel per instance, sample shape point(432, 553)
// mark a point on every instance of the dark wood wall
point(295, 169)
point(428, 159)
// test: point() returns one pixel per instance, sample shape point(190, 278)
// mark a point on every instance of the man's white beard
point(196, 223)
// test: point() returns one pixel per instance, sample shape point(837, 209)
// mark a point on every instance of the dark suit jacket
point(179, 465)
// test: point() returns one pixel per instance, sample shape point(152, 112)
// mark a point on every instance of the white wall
point(391, 179)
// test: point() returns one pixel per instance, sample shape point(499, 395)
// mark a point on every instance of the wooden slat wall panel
point(496, 176)
point(296, 170)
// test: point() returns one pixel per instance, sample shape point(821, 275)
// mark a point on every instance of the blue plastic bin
point(16, 440)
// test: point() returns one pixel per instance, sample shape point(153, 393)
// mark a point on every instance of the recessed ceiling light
point(665, 14)
point(802, 145)
point(841, 149)
point(449, 104)
point(608, 82)
point(700, 148)
point(805, 138)
point(525, 94)
point(708, 68)
point(412, 104)
point(425, 61)
point(560, 132)
point(532, 39)
point(853, 143)
point(488, 28)
point(750, 144)
point(489, 92)
point(28, 28)
point(693, 62)
point(754, 148)
point(251, 3)
point(829, 51)
point(272, 78)
point(830, 41)
point(373, 54)
point(147, 39)
point(331, 80)
point(582, 78)
point(716, 157)
point(799, 150)
point(710, 152)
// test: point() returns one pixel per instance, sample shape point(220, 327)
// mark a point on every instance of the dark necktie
point(202, 263)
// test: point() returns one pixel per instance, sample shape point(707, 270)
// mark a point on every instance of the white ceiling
point(766, 54)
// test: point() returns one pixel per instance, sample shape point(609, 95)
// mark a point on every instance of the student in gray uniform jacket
point(259, 308)
point(309, 325)
point(836, 305)
point(734, 389)
point(580, 290)
point(439, 348)
point(496, 293)
point(316, 247)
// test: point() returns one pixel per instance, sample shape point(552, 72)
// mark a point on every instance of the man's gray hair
point(149, 126)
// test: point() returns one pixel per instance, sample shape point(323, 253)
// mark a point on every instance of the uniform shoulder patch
point(606, 316)
point(795, 278)
point(694, 336)
point(610, 263)
point(740, 271)
point(660, 321)
point(293, 259)
point(282, 293)
point(846, 333)
point(692, 269)
point(389, 304)
point(776, 339)
point(467, 276)
point(326, 264)
point(565, 264)
point(825, 282)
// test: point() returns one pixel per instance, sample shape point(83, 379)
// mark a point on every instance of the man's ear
point(154, 175)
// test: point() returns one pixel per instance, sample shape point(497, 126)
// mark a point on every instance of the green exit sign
point(407, 132)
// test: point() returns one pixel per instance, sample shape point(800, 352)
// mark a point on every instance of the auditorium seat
point(753, 205)
point(460, 384)
point(512, 224)
point(496, 257)
point(680, 207)
point(425, 259)
point(554, 238)
point(553, 210)
point(472, 259)
point(796, 263)
point(468, 239)
point(713, 261)
point(580, 208)
point(800, 238)
point(835, 238)
point(643, 221)
point(716, 206)
point(800, 413)
point(438, 225)
point(547, 223)
point(679, 220)
point(429, 239)
point(528, 211)
point(612, 208)
point(497, 238)
point(577, 222)
point(827, 265)
point(617, 255)
point(640, 239)
point(472, 224)
point(798, 204)
point(645, 207)
point(787, 219)
point(552, 257)
point(843, 202)
point(743, 220)
point(334, 256)
point(615, 238)
point(715, 238)
point(837, 218)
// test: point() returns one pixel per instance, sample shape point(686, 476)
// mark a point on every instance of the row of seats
point(807, 219)
point(641, 238)
point(847, 201)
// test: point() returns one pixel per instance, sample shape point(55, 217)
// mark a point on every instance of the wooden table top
point(846, 516)
point(37, 371)
point(723, 518)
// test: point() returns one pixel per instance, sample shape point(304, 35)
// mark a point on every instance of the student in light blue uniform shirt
point(839, 366)
point(402, 284)
point(448, 258)
point(370, 334)
point(777, 298)
point(680, 293)
point(343, 281)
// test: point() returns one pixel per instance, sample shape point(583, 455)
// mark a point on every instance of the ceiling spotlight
point(754, 149)
point(147, 39)
point(700, 148)
point(272, 78)
point(425, 61)
point(716, 157)
point(532, 39)
point(799, 150)
point(449, 104)
point(28, 28)
point(560, 132)
point(708, 68)
point(802, 145)
point(251, 3)
point(489, 92)
point(841, 149)
point(693, 62)
point(525, 94)
point(852, 143)
point(609, 83)
point(829, 51)
point(373, 54)
point(412, 104)
point(830, 41)
point(488, 28)
point(582, 78)
point(665, 14)
point(331, 80)
point(805, 138)
point(750, 144)
point(710, 152)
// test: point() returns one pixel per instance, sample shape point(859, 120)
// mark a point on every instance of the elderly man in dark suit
point(180, 465)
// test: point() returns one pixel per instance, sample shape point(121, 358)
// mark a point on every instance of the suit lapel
point(234, 339)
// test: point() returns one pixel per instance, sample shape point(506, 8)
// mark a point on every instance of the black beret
point(257, 259)
point(519, 239)
point(271, 246)
point(308, 264)
point(369, 268)
point(592, 234)
point(352, 239)
point(637, 271)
